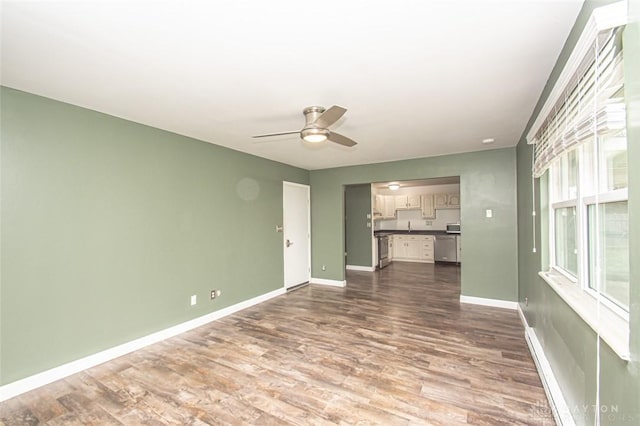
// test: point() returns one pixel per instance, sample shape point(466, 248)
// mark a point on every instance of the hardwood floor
point(393, 348)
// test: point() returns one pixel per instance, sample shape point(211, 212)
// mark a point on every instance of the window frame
point(581, 204)
point(614, 196)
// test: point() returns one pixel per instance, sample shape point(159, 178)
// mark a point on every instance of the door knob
point(289, 243)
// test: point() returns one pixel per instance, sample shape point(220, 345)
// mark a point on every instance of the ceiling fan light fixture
point(315, 135)
point(316, 128)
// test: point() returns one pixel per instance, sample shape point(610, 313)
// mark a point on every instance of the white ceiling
point(419, 78)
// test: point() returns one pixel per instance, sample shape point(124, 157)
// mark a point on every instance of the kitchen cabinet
point(413, 201)
point(378, 204)
point(389, 211)
point(454, 201)
point(399, 246)
point(428, 207)
point(447, 201)
point(384, 207)
point(440, 201)
point(413, 248)
point(403, 202)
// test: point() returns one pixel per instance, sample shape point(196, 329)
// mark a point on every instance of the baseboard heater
point(559, 408)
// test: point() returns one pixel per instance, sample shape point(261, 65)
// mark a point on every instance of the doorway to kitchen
point(403, 223)
point(417, 221)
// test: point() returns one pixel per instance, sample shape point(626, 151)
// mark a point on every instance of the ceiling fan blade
point(330, 116)
point(276, 134)
point(342, 140)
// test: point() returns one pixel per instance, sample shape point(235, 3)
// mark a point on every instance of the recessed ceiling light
point(393, 186)
point(488, 140)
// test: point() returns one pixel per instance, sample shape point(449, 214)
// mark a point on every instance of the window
point(589, 219)
point(580, 145)
point(608, 241)
point(588, 177)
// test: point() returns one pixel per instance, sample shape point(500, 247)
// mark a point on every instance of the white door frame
point(284, 213)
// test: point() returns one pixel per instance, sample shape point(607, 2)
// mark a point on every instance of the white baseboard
point(333, 283)
point(361, 268)
point(496, 303)
point(558, 404)
point(27, 384)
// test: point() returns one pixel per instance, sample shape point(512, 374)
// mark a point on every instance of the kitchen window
point(580, 148)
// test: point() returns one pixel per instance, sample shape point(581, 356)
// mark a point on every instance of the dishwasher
point(446, 248)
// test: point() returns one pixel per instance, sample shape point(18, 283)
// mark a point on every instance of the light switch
point(489, 213)
point(368, 215)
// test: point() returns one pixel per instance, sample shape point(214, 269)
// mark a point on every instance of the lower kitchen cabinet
point(413, 248)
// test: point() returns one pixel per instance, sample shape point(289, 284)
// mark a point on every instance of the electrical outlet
point(194, 300)
point(214, 294)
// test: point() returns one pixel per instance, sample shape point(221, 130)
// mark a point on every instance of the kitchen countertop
point(412, 232)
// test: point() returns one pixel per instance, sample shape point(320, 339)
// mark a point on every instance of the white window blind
point(592, 103)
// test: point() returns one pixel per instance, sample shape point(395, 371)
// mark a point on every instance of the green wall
point(108, 228)
point(487, 180)
point(568, 342)
point(358, 234)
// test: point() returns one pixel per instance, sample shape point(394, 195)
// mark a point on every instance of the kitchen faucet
point(409, 225)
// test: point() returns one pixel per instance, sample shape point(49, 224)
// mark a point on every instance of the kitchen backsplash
point(403, 218)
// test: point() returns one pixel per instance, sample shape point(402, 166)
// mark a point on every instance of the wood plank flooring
point(394, 347)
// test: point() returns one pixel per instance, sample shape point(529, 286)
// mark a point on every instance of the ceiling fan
point(316, 128)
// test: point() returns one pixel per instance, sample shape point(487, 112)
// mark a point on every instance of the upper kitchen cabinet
point(403, 202)
point(428, 206)
point(378, 204)
point(389, 210)
point(384, 207)
point(447, 201)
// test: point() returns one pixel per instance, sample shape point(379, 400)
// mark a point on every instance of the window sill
point(613, 329)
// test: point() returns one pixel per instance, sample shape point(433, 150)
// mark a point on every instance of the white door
point(296, 233)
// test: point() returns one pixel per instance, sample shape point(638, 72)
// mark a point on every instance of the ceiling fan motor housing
point(311, 114)
point(312, 132)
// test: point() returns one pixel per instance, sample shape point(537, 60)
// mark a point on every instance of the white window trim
point(552, 228)
point(613, 329)
point(603, 198)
